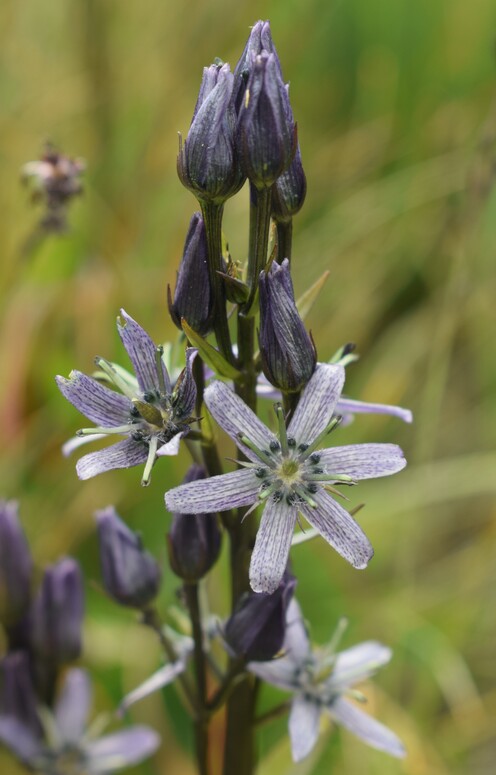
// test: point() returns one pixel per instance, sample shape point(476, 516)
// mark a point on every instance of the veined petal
point(218, 493)
point(339, 529)
point(272, 545)
point(121, 749)
point(281, 672)
point(296, 643)
point(184, 395)
point(235, 417)
point(349, 405)
point(316, 405)
point(304, 722)
point(124, 454)
point(358, 663)
point(98, 403)
point(19, 739)
point(364, 461)
point(73, 705)
point(365, 727)
point(142, 354)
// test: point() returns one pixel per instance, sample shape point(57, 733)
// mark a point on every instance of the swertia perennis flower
point(288, 475)
point(150, 413)
point(320, 681)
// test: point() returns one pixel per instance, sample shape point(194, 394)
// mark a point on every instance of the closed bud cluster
point(194, 540)
point(207, 163)
point(131, 576)
point(15, 567)
point(260, 39)
point(266, 128)
point(193, 298)
point(257, 627)
point(57, 614)
point(287, 351)
point(289, 191)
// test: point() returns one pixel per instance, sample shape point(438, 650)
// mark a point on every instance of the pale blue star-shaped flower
point(151, 413)
point(322, 682)
point(289, 475)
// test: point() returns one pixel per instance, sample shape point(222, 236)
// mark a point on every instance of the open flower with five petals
point(289, 475)
point(320, 681)
point(148, 411)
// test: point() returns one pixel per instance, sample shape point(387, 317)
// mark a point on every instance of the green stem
point(260, 207)
point(290, 402)
point(284, 240)
point(212, 216)
point(201, 721)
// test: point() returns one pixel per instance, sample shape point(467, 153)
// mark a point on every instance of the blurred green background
point(397, 125)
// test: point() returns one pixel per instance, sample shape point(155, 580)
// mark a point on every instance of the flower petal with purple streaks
point(124, 454)
point(99, 404)
point(317, 403)
point(142, 354)
point(339, 529)
point(121, 749)
point(272, 545)
point(218, 493)
point(364, 461)
point(351, 406)
point(184, 396)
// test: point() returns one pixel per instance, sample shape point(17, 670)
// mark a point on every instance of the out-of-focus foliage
point(397, 126)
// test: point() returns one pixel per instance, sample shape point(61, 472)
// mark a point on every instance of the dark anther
point(137, 435)
point(318, 471)
point(261, 473)
point(291, 499)
point(314, 458)
point(291, 442)
point(312, 488)
point(302, 447)
point(134, 412)
point(277, 497)
point(149, 396)
point(274, 446)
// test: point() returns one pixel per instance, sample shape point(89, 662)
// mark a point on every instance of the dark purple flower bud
point(131, 576)
point(57, 613)
point(193, 296)
point(266, 128)
point(20, 727)
point(260, 39)
point(287, 350)
point(15, 567)
point(289, 191)
point(257, 627)
point(207, 163)
point(194, 539)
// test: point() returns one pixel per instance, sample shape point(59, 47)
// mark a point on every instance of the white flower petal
point(73, 705)
point(121, 749)
point(364, 461)
point(142, 354)
point(162, 677)
point(124, 454)
point(358, 663)
point(350, 405)
point(218, 493)
point(71, 445)
point(366, 728)
point(316, 405)
point(339, 529)
point(304, 721)
point(272, 545)
point(280, 672)
point(235, 417)
point(296, 641)
point(171, 447)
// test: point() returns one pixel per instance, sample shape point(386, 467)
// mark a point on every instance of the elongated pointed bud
point(193, 299)
point(20, 727)
point(257, 627)
point(194, 540)
point(15, 567)
point(287, 351)
point(266, 128)
point(57, 614)
point(289, 191)
point(131, 576)
point(208, 163)
point(260, 39)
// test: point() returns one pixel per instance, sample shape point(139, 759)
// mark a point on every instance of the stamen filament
point(159, 351)
point(99, 429)
point(114, 376)
point(343, 478)
point(258, 452)
point(152, 454)
point(320, 438)
point(283, 435)
point(305, 496)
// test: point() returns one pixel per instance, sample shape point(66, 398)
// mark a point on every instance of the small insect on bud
point(257, 627)
point(131, 576)
point(194, 540)
point(287, 351)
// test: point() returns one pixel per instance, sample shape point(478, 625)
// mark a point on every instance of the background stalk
point(284, 240)
point(201, 720)
point(260, 208)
